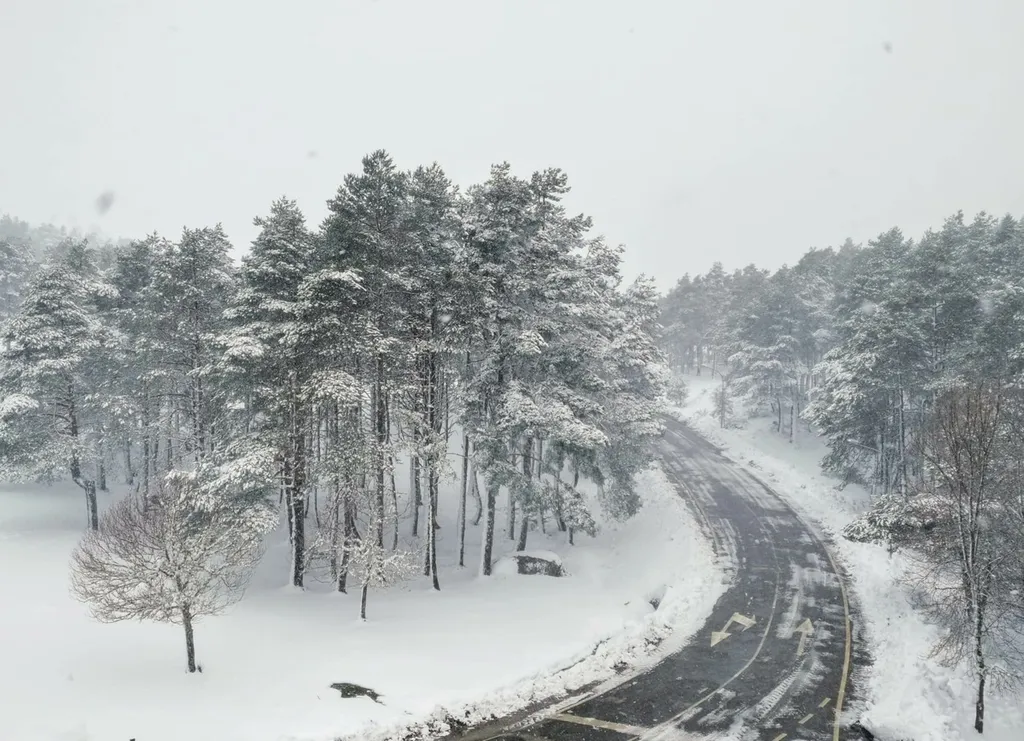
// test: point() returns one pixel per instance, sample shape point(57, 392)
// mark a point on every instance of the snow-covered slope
point(480, 645)
point(909, 695)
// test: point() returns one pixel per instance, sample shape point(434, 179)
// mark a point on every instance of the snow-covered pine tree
point(193, 283)
point(432, 324)
point(634, 399)
point(496, 223)
point(554, 347)
point(136, 373)
point(265, 359)
point(366, 235)
point(16, 266)
point(766, 351)
point(49, 420)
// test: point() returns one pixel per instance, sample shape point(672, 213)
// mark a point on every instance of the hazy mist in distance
point(691, 131)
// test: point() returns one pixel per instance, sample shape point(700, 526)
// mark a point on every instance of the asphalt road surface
point(772, 662)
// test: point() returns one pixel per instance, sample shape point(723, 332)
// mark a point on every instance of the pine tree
point(136, 375)
point(16, 265)
point(266, 357)
point(49, 420)
point(193, 283)
point(366, 235)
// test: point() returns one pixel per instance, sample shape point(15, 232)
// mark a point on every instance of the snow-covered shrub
point(892, 520)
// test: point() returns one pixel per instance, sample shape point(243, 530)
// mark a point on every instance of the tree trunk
point(343, 566)
point(487, 542)
point(432, 552)
point(903, 444)
point(539, 459)
point(511, 516)
point(129, 473)
point(336, 536)
point(979, 706)
point(297, 523)
point(380, 427)
point(101, 473)
point(394, 504)
point(575, 483)
point(979, 660)
point(474, 485)
point(300, 424)
point(462, 499)
point(190, 641)
point(147, 460)
point(295, 496)
point(559, 516)
point(414, 485)
point(362, 601)
point(527, 504)
point(434, 426)
point(349, 534)
point(88, 486)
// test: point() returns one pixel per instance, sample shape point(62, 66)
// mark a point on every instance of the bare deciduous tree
point(186, 553)
point(378, 567)
point(971, 547)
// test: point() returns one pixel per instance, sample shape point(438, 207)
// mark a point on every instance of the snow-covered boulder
point(545, 563)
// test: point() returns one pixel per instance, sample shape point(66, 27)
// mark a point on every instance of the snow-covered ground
point(481, 645)
point(908, 694)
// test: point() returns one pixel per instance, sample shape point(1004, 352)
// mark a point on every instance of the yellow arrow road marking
point(824, 702)
point(597, 723)
point(746, 622)
point(805, 629)
point(717, 636)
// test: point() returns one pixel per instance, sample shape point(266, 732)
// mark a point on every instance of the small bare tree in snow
point(379, 567)
point(346, 541)
point(186, 553)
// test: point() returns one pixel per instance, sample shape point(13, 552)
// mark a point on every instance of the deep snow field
point(480, 645)
point(907, 694)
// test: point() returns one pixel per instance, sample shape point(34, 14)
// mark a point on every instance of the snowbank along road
point(772, 662)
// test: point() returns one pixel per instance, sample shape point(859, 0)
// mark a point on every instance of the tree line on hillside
point(908, 357)
point(304, 378)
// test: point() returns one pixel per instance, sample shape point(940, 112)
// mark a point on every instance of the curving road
point(772, 662)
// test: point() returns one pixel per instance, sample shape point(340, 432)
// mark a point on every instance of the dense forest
point(908, 357)
point(419, 332)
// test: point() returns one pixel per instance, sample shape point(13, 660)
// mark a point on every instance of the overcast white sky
point(691, 131)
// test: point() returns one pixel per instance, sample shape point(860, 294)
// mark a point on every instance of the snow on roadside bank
point(664, 554)
point(479, 647)
point(907, 694)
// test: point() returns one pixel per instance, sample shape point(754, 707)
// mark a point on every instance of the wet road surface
point(772, 662)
